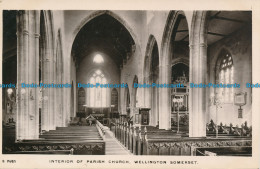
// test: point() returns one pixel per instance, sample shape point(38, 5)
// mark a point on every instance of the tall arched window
point(225, 76)
point(98, 95)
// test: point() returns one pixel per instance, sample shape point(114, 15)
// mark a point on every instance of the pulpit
point(143, 116)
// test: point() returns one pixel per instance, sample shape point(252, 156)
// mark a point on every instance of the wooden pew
point(188, 146)
point(82, 140)
point(224, 131)
point(68, 152)
point(140, 134)
point(157, 134)
point(225, 151)
point(86, 147)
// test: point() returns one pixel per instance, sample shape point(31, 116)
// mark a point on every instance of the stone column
point(154, 107)
point(47, 54)
point(198, 74)
point(28, 70)
point(164, 96)
point(45, 94)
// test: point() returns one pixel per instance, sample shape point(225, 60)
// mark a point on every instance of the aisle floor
point(113, 146)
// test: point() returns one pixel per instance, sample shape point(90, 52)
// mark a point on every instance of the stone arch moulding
point(112, 14)
point(165, 69)
point(99, 13)
point(182, 60)
point(167, 33)
point(147, 68)
point(49, 28)
point(148, 56)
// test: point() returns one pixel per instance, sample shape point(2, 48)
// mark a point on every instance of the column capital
point(37, 35)
point(199, 45)
point(25, 32)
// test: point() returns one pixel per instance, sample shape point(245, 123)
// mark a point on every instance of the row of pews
point(221, 130)
point(80, 121)
point(149, 140)
point(84, 140)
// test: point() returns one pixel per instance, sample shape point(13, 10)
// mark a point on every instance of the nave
point(121, 49)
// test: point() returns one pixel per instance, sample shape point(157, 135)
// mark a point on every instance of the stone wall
point(240, 47)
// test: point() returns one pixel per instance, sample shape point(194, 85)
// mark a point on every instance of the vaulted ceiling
point(103, 34)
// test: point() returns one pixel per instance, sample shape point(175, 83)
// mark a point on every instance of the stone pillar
point(64, 110)
point(154, 108)
point(47, 55)
point(198, 74)
point(45, 95)
point(164, 96)
point(28, 71)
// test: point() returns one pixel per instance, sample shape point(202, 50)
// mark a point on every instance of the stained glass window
point(98, 95)
point(226, 77)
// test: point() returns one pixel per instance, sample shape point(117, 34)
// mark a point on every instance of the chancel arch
point(96, 14)
point(101, 47)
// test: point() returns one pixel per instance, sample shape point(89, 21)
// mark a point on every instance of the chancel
point(172, 56)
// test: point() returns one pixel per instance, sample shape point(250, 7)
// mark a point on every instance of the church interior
point(77, 47)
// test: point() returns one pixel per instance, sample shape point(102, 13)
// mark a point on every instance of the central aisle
point(113, 147)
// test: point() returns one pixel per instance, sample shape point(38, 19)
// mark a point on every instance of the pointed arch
point(151, 45)
point(169, 35)
point(102, 12)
